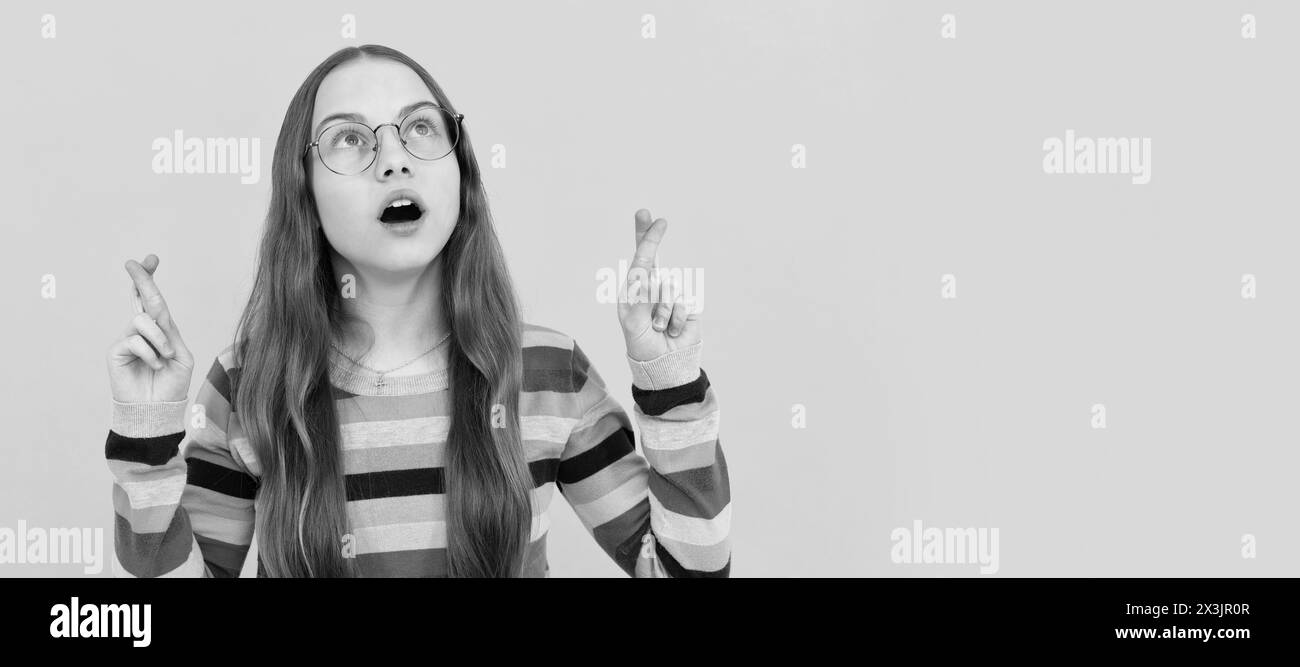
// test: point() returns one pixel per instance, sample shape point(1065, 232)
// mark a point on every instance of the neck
point(399, 314)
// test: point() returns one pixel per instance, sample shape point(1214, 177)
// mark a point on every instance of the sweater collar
point(346, 375)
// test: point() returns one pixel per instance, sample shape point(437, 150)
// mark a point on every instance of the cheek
point(334, 203)
point(447, 194)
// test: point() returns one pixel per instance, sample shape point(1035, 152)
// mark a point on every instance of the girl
point(382, 410)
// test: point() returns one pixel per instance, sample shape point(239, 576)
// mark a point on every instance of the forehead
point(376, 88)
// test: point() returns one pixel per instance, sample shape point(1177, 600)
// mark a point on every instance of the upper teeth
point(402, 202)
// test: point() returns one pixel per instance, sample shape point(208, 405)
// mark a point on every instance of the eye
point(423, 124)
point(347, 137)
point(348, 140)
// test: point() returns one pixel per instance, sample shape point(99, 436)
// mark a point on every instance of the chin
point(407, 256)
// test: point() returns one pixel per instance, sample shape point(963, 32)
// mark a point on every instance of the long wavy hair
point(285, 401)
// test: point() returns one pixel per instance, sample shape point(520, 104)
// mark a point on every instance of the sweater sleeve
point(182, 496)
point(667, 514)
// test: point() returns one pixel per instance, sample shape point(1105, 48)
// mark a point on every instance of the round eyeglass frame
point(397, 127)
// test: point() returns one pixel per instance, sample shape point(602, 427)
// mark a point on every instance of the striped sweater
point(185, 493)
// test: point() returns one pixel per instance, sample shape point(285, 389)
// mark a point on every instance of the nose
point(392, 157)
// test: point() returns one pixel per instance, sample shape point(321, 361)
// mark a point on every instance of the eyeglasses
point(427, 133)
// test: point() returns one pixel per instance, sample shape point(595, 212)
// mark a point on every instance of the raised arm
point(667, 514)
point(176, 514)
point(183, 499)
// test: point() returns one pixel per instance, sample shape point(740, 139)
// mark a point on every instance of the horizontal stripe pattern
point(185, 502)
point(667, 513)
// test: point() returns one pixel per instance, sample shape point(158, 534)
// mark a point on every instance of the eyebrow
point(358, 118)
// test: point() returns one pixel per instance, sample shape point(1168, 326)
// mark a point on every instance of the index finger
point(150, 296)
point(150, 264)
point(648, 237)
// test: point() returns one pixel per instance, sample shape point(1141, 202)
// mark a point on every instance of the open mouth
point(401, 210)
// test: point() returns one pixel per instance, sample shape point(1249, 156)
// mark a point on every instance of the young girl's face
point(376, 90)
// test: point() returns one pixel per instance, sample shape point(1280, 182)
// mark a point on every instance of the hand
point(151, 362)
point(655, 317)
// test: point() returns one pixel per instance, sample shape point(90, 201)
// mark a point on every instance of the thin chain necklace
point(379, 382)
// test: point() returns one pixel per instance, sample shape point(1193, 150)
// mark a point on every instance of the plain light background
point(823, 284)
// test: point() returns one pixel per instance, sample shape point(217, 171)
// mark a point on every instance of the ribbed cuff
point(668, 370)
point(148, 420)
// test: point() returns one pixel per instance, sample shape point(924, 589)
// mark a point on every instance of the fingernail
point(659, 325)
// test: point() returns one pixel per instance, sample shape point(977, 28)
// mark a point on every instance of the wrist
point(671, 369)
point(148, 420)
